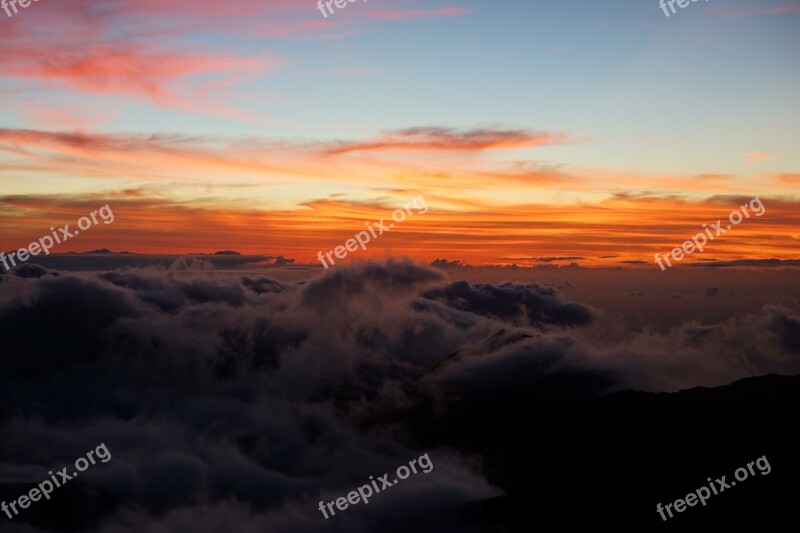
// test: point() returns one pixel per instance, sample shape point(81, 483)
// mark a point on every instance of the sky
point(587, 139)
point(600, 133)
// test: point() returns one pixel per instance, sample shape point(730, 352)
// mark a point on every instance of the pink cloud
point(135, 48)
point(134, 70)
point(129, 49)
point(789, 7)
point(78, 117)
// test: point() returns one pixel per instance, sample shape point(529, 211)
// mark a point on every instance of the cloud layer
point(244, 400)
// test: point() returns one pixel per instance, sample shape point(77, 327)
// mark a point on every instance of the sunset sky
point(534, 130)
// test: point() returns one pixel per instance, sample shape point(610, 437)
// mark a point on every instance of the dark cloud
point(337, 286)
point(282, 261)
point(699, 332)
point(114, 261)
point(242, 401)
point(174, 292)
point(29, 270)
point(530, 304)
point(786, 326)
point(444, 263)
point(544, 259)
point(750, 262)
point(712, 291)
point(263, 284)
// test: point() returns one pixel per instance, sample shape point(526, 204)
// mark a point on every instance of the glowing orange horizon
point(610, 233)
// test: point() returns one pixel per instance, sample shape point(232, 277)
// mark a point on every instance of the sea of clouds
point(241, 400)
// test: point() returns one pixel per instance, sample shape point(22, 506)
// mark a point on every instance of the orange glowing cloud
point(178, 194)
point(155, 157)
point(612, 233)
point(789, 180)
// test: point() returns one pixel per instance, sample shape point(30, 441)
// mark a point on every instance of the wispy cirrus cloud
point(75, 116)
point(142, 72)
point(136, 51)
point(449, 11)
point(770, 7)
point(792, 6)
point(450, 160)
point(448, 139)
point(158, 155)
point(133, 48)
